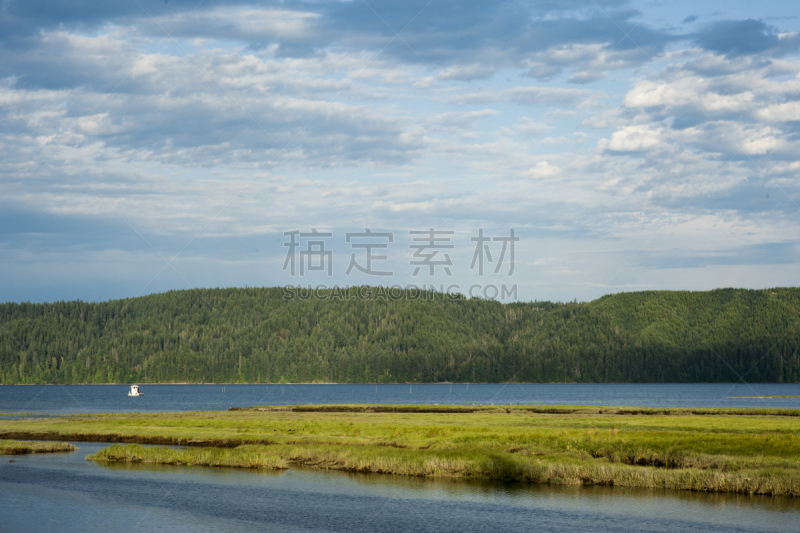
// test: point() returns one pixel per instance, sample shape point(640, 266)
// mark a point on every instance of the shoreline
point(425, 383)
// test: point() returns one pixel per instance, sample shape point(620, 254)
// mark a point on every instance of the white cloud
point(786, 112)
point(467, 72)
point(688, 90)
point(240, 23)
point(551, 96)
point(543, 169)
point(635, 138)
point(589, 62)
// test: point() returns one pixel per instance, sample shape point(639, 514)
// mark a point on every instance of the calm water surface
point(113, 398)
point(64, 492)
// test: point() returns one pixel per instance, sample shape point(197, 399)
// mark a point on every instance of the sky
point(607, 145)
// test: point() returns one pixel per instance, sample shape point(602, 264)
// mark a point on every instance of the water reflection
point(657, 507)
point(68, 493)
point(219, 473)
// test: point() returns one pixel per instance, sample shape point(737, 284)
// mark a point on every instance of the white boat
point(135, 391)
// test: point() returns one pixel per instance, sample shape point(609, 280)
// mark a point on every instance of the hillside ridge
point(255, 335)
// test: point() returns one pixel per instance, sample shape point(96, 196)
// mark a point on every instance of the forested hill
point(255, 335)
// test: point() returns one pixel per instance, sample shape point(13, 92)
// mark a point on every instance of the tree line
point(258, 335)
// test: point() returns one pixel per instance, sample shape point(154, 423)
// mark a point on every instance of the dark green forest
point(367, 335)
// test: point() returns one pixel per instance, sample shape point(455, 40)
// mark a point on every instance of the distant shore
point(145, 383)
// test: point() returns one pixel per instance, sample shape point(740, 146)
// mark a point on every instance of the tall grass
point(472, 464)
point(241, 457)
point(17, 447)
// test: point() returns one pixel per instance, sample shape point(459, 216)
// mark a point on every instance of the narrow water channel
point(64, 492)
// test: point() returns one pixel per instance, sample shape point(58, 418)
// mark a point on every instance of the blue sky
point(155, 145)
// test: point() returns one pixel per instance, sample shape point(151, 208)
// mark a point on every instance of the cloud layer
point(156, 145)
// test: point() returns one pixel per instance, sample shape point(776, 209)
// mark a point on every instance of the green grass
point(725, 450)
point(465, 463)
point(17, 447)
point(240, 457)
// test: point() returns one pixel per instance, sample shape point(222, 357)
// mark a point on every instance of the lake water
point(58, 399)
point(64, 492)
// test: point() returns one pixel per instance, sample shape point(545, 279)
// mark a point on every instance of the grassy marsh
point(743, 451)
point(464, 463)
point(18, 447)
